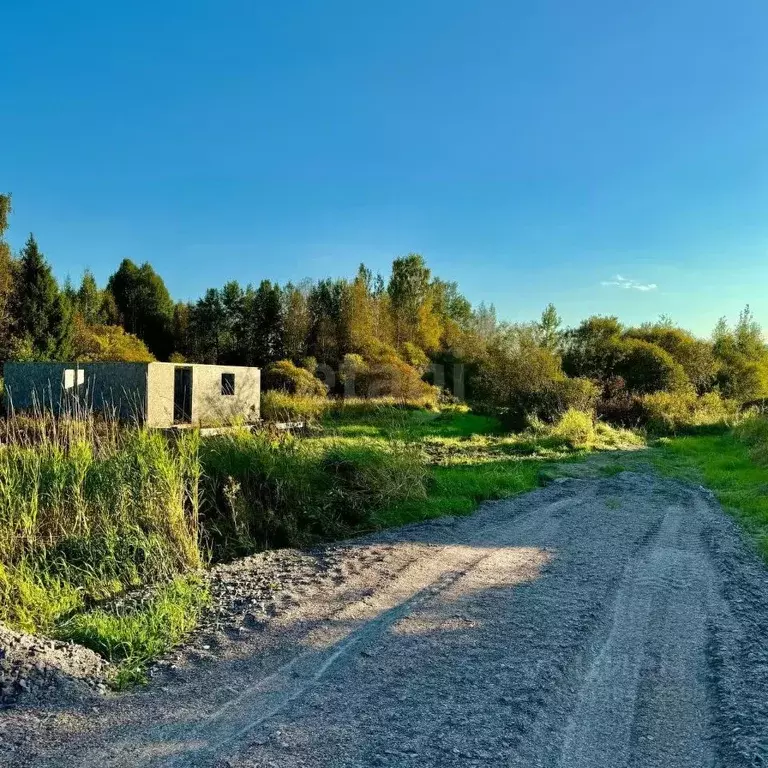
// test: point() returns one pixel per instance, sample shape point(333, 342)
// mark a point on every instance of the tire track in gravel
point(644, 699)
point(448, 564)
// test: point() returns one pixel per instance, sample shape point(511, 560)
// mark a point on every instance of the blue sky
point(531, 151)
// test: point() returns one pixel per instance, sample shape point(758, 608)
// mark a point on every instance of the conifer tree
point(42, 323)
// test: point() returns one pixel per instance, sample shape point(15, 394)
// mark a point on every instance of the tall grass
point(734, 464)
point(280, 406)
point(88, 511)
point(262, 491)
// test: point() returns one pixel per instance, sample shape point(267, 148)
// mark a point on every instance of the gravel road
point(594, 623)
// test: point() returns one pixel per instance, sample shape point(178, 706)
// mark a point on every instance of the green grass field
point(470, 457)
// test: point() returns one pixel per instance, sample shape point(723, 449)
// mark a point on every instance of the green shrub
point(576, 394)
point(287, 377)
point(576, 428)
point(648, 368)
point(694, 355)
point(742, 379)
point(390, 376)
point(524, 380)
point(752, 430)
point(549, 401)
point(683, 410)
point(622, 409)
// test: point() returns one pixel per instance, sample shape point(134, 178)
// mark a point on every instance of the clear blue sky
point(532, 151)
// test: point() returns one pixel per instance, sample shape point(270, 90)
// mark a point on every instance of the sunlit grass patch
point(728, 466)
point(414, 424)
point(458, 489)
point(131, 637)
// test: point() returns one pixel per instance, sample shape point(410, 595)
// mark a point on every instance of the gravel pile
point(245, 594)
point(36, 668)
point(250, 590)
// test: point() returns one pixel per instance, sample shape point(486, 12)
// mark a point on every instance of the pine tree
point(145, 306)
point(88, 299)
point(266, 324)
point(42, 324)
point(208, 326)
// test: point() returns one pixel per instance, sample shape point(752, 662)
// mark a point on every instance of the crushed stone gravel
point(595, 623)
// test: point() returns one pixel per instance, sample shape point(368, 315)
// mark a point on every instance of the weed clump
point(133, 635)
point(576, 428)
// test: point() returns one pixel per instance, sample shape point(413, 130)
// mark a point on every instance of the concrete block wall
point(211, 406)
point(143, 391)
point(115, 388)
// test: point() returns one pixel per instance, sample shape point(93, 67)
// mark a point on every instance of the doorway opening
point(182, 395)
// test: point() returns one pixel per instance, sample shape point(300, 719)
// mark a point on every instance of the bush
point(753, 432)
point(647, 368)
point(694, 355)
point(415, 357)
point(107, 342)
point(576, 428)
point(549, 401)
point(743, 379)
point(287, 377)
point(280, 406)
point(593, 349)
point(353, 374)
point(388, 375)
point(524, 380)
point(576, 394)
point(681, 411)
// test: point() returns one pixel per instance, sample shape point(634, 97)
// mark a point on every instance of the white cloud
point(627, 284)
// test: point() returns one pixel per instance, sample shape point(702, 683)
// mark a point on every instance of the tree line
point(383, 333)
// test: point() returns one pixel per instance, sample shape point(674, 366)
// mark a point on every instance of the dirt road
point(595, 623)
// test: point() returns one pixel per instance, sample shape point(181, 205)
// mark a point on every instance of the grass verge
point(457, 489)
point(731, 465)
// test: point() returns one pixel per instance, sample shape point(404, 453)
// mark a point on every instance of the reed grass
point(88, 510)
